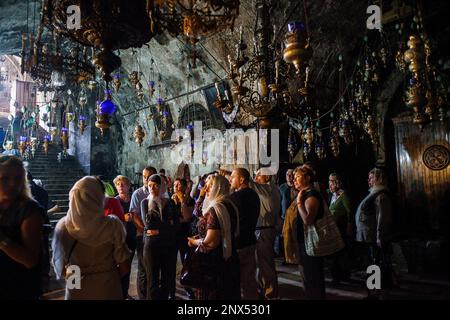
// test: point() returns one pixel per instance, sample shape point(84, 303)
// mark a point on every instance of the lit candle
point(277, 69)
point(230, 63)
point(240, 34)
point(217, 90)
point(307, 75)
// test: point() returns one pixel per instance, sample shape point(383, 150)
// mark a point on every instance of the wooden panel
point(422, 191)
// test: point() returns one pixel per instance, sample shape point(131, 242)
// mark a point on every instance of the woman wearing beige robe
point(98, 243)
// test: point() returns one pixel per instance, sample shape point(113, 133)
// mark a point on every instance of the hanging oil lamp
point(371, 128)
point(92, 85)
point(159, 105)
point(65, 138)
point(138, 134)
point(308, 138)
point(47, 139)
point(22, 145)
point(82, 123)
point(291, 144)
point(82, 100)
point(70, 116)
point(134, 77)
point(319, 146)
point(151, 88)
point(334, 145)
point(105, 109)
point(33, 143)
point(297, 49)
point(53, 132)
point(415, 99)
point(116, 82)
point(345, 132)
point(415, 95)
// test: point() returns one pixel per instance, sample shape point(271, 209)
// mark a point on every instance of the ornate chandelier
point(49, 65)
point(105, 25)
point(259, 83)
point(122, 24)
point(195, 19)
point(426, 92)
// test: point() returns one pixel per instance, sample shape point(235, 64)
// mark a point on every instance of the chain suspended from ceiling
point(122, 24)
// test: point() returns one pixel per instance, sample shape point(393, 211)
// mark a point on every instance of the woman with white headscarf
point(160, 255)
point(217, 231)
point(96, 244)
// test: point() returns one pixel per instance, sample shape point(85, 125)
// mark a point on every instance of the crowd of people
point(239, 222)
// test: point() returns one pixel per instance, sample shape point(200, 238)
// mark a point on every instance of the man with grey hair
point(269, 222)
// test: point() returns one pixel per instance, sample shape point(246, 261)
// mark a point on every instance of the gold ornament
point(102, 122)
point(139, 134)
point(297, 49)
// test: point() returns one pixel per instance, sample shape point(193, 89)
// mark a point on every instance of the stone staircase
point(57, 177)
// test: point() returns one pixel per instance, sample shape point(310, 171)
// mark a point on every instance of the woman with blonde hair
point(93, 242)
point(217, 232)
point(123, 184)
point(373, 223)
point(21, 221)
point(310, 206)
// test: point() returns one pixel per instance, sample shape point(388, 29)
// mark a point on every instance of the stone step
point(57, 175)
point(58, 179)
point(62, 202)
point(59, 196)
point(69, 164)
point(53, 160)
point(56, 182)
point(57, 172)
point(59, 183)
point(52, 163)
point(51, 190)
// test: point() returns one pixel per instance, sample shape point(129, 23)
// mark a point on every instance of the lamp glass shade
point(107, 106)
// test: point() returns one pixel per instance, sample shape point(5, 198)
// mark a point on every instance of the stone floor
point(411, 287)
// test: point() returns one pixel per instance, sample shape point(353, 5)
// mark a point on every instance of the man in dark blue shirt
point(248, 203)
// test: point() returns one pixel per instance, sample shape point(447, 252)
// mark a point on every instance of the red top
point(113, 206)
